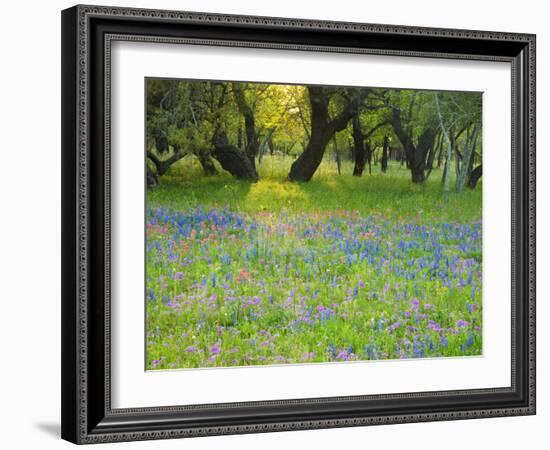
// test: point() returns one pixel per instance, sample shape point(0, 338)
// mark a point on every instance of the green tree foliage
point(237, 124)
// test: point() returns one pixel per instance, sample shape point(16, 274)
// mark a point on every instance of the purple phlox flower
point(191, 349)
point(308, 320)
point(394, 326)
point(254, 301)
point(216, 348)
point(428, 306)
point(361, 284)
point(320, 308)
point(414, 304)
point(155, 362)
point(178, 275)
point(433, 326)
point(471, 307)
point(173, 304)
point(462, 323)
point(343, 355)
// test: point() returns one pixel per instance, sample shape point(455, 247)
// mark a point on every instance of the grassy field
point(341, 268)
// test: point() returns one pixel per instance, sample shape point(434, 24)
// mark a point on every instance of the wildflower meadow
point(282, 273)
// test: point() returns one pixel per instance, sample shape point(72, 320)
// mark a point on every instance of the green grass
point(391, 195)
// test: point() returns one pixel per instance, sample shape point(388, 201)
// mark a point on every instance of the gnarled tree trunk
point(162, 165)
point(161, 141)
point(322, 130)
point(232, 159)
point(252, 141)
point(384, 159)
point(415, 154)
point(362, 149)
point(207, 163)
point(368, 154)
point(358, 148)
point(152, 179)
point(467, 157)
point(474, 177)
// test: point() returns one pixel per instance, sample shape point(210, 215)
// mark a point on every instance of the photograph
point(302, 224)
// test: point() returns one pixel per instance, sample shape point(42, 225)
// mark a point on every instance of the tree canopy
point(231, 126)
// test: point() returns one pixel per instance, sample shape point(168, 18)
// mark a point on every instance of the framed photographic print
point(281, 224)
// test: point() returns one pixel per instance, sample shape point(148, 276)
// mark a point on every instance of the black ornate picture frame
point(87, 34)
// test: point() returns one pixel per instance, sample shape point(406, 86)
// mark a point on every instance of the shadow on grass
point(388, 195)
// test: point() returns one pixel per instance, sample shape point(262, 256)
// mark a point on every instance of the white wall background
point(30, 222)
